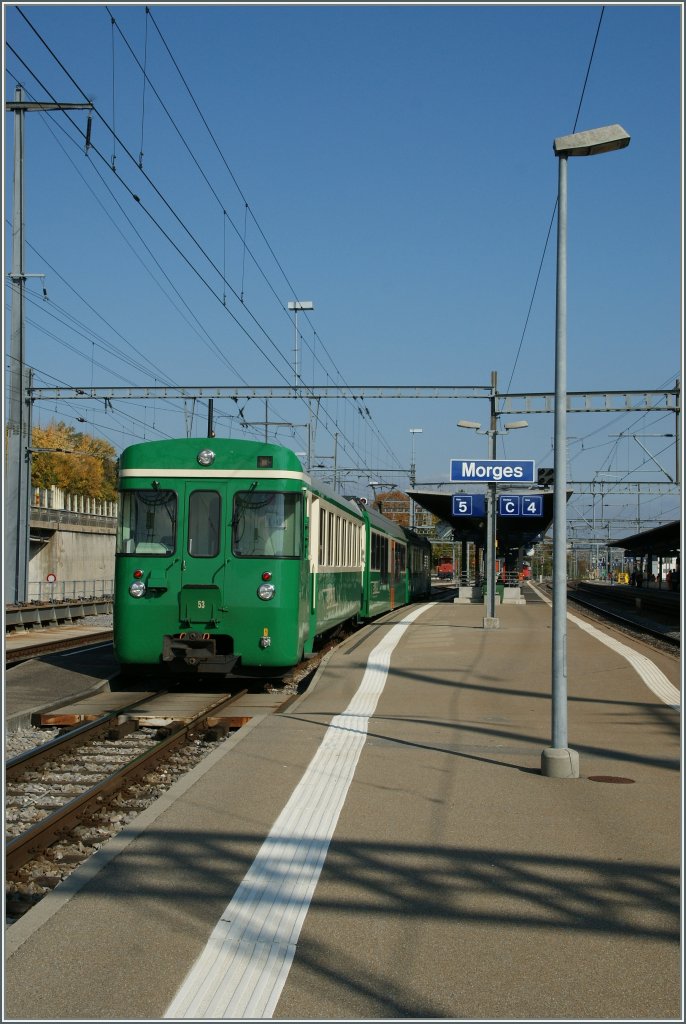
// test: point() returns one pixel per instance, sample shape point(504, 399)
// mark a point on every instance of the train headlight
point(266, 591)
point(137, 588)
point(206, 457)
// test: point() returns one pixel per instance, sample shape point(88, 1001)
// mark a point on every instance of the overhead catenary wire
point(145, 77)
point(552, 218)
point(100, 155)
point(114, 133)
point(167, 205)
point(154, 220)
point(202, 332)
point(248, 208)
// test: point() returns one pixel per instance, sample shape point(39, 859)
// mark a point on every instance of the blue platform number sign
point(520, 505)
point(462, 504)
point(533, 505)
point(469, 505)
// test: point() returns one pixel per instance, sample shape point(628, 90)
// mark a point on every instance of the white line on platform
point(651, 675)
point(244, 966)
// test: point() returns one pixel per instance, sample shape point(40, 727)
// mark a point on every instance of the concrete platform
point(455, 880)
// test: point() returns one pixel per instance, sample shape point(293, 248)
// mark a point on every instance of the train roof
point(229, 453)
point(179, 456)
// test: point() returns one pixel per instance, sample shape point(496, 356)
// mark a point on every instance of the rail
point(38, 837)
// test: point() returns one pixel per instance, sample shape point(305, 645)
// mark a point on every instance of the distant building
point(396, 505)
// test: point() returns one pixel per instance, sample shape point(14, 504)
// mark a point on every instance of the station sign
point(493, 471)
point(469, 505)
point(520, 505)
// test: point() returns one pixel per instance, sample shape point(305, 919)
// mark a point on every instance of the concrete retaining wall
point(75, 552)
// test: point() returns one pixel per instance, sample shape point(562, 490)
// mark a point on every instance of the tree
point(76, 462)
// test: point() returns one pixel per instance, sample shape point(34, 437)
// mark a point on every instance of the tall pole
point(677, 429)
point(17, 490)
point(296, 368)
point(559, 761)
point(18, 475)
point(559, 646)
point(412, 482)
point(296, 306)
point(491, 621)
point(413, 476)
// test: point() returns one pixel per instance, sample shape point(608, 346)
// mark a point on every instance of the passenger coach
point(230, 558)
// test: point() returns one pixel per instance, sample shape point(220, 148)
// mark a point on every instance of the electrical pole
point(491, 620)
point(18, 477)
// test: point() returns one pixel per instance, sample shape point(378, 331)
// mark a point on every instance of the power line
point(552, 218)
point(154, 220)
point(248, 208)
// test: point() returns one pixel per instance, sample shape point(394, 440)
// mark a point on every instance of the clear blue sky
point(397, 161)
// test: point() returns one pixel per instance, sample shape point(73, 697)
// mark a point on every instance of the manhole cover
point(608, 778)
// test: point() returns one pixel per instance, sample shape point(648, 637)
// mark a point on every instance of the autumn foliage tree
point(78, 463)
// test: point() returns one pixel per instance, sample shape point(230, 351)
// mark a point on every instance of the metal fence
point(65, 517)
point(69, 590)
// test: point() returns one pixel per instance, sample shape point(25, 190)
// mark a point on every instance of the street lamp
point(558, 761)
point(491, 621)
point(297, 307)
point(413, 431)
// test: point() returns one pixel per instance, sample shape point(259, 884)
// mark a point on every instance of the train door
point(203, 557)
point(400, 573)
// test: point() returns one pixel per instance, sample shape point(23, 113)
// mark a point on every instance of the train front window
point(204, 518)
point(266, 524)
point(147, 523)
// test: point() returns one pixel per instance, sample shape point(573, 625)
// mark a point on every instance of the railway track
point(67, 797)
point(666, 636)
point(15, 655)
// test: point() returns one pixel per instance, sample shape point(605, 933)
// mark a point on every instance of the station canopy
point(662, 541)
point(512, 532)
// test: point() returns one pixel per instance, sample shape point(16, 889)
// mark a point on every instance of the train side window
point(330, 557)
point(322, 536)
point(204, 519)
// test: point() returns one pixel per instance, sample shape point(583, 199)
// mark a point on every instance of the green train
point(231, 559)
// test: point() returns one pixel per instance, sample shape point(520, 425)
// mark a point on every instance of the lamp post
point(491, 621)
point(296, 307)
point(413, 478)
point(558, 761)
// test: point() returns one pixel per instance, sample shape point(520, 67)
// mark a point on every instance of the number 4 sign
point(532, 506)
point(520, 505)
